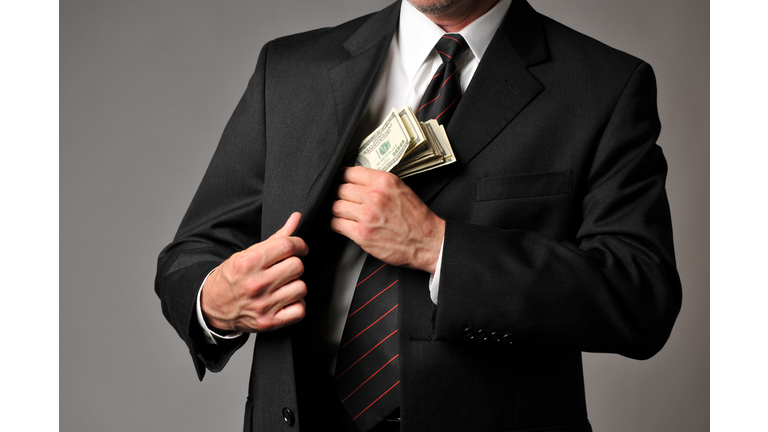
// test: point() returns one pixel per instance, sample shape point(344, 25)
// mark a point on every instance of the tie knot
point(451, 46)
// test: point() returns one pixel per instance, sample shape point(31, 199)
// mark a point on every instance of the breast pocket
point(524, 186)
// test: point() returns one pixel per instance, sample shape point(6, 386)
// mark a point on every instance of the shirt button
point(508, 339)
point(288, 416)
point(482, 335)
point(469, 333)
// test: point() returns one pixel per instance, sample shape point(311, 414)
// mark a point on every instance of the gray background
point(146, 88)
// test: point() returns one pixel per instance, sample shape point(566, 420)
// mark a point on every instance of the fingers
point(277, 247)
point(358, 182)
point(259, 323)
point(350, 192)
point(290, 314)
point(258, 289)
point(363, 200)
point(282, 273)
point(265, 254)
point(287, 294)
point(345, 209)
point(367, 187)
point(266, 307)
point(285, 306)
point(345, 227)
point(359, 175)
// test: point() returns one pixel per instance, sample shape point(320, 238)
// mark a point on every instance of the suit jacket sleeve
point(223, 218)
point(613, 287)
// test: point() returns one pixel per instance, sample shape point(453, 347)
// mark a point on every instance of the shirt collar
point(417, 34)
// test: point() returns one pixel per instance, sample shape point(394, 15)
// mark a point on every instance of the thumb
point(290, 226)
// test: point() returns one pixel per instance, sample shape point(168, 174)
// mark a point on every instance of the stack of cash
point(405, 146)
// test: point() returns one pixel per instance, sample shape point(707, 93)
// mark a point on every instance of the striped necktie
point(444, 90)
point(367, 378)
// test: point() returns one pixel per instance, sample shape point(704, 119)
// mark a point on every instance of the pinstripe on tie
point(444, 90)
point(367, 378)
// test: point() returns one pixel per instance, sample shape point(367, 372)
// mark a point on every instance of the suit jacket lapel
point(352, 82)
point(500, 89)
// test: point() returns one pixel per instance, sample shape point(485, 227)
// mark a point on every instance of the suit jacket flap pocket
point(523, 185)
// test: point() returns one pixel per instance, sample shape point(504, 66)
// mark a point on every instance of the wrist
point(218, 331)
point(431, 253)
point(217, 325)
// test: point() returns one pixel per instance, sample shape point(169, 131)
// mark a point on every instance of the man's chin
point(432, 7)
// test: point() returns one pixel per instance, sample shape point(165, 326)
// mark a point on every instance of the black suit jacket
point(558, 236)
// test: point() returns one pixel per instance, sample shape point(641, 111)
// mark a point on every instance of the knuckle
point(377, 183)
point(298, 246)
point(368, 215)
point(385, 180)
point(241, 262)
point(258, 302)
point(342, 191)
point(301, 289)
point(284, 245)
point(254, 286)
point(336, 225)
point(336, 208)
point(390, 181)
point(251, 260)
point(298, 310)
point(296, 266)
point(364, 232)
point(301, 311)
point(378, 198)
point(267, 323)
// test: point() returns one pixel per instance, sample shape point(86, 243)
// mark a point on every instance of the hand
point(259, 289)
point(387, 219)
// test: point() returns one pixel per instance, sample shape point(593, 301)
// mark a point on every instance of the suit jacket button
point(496, 337)
point(469, 333)
point(481, 335)
point(288, 416)
point(508, 339)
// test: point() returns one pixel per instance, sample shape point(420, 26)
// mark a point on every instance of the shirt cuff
point(434, 280)
point(210, 336)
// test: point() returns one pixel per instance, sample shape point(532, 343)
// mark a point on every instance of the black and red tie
point(367, 378)
point(444, 90)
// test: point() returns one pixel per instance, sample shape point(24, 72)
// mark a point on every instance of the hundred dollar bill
point(405, 146)
point(384, 148)
point(441, 139)
point(412, 126)
point(437, 152)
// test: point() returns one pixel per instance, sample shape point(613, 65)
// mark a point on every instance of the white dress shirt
point(409, 66)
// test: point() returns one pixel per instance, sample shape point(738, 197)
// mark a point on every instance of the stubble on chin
point(432, 7)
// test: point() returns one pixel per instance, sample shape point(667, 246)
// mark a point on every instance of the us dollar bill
point(408, 118)
point(405, 146)
point(385, 147)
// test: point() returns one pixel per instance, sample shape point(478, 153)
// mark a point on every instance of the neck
point(453, 15)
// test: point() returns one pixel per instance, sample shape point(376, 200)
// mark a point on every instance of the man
point(549, 236)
